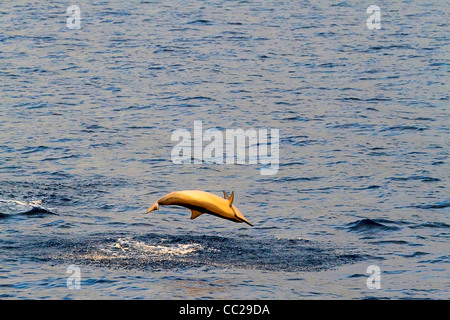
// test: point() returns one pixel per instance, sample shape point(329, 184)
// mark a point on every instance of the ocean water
point(86, 118)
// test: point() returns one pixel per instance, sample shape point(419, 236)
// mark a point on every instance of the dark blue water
point(86, 118)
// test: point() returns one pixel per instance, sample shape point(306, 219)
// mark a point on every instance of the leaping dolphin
point(202, 202)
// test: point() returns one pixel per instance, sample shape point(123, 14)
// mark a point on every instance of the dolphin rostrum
point(202, 202)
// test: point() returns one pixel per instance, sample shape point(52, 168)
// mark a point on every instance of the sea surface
point(86, 117)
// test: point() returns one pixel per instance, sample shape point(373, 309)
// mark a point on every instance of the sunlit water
point(86, 118)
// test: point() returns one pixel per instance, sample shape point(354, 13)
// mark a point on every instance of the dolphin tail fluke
point(153, 207)
point(247, 222)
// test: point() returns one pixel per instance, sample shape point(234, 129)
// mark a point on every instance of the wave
point(435, 224)
point(414, 178)
point(38, 211)
point(16, 207)
point(437, 205)
point(368, 225)
point(404, 128)
point(200, 22)
point(291, 179)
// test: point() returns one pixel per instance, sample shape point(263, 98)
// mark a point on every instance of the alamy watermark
point(74, 20)
point(74, 280)
point(374, 20)
point(222, 145)
point(374, 281)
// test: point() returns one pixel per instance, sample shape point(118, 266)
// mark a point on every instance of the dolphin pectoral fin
point(195, 214)
point(153, 207)
point(230, 200)
point(225, 195)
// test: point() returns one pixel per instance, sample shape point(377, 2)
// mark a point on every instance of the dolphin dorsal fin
point(195, 214)
point(230, 200)
point(225, 195)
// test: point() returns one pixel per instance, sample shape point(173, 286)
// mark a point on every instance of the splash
point(126, 247)
point(10, 207)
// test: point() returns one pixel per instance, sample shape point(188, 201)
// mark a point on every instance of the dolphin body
point(202, 202)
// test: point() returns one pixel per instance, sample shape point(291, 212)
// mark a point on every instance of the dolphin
point(202, 202)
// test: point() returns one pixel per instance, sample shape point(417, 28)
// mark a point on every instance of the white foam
point(34, 203)
point(127, 246)
point(8, 206)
